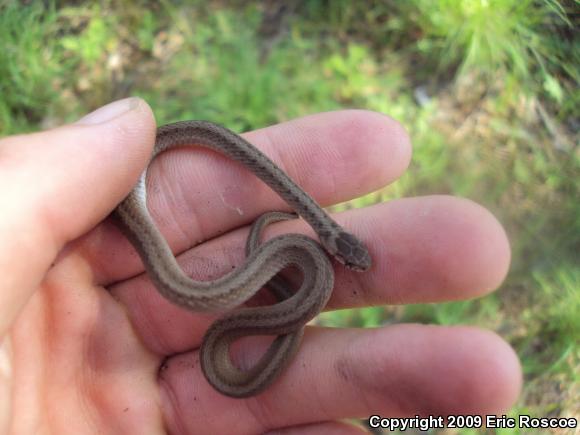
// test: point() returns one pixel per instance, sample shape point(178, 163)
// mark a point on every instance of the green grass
point(29, 66)
point(497, 124)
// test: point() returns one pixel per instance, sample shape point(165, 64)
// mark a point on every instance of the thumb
point(58, 184)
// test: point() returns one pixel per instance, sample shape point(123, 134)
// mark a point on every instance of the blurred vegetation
point(488, 90)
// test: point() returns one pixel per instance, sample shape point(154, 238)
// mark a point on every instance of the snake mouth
point(357, 267)
point(361, 264)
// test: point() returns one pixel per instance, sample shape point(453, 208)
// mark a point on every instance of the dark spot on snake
point(344, 244)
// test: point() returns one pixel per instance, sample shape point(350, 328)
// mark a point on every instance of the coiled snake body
point(287, 318)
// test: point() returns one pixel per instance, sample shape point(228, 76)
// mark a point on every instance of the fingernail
point(110, 111)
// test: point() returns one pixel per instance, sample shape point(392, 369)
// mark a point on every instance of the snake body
point(285, 318)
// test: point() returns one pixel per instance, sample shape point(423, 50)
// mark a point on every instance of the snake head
point(348, 250)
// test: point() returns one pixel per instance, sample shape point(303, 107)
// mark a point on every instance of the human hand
point(90, 346)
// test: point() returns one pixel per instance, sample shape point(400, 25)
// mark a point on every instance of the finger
point(427, 249)
point(58, 184)
point(402, 370)
point(196, 194)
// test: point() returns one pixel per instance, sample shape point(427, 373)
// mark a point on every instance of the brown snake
point(287, 318)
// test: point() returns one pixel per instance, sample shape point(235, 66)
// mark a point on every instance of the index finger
point(195, 194)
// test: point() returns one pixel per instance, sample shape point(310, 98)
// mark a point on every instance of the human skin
point(89, 346)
